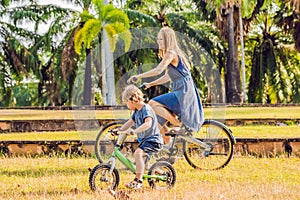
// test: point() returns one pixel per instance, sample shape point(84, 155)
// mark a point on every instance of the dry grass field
point(59, 177)
point(67, 178)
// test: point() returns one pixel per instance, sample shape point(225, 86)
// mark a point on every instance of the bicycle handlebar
point(143, 87)
point(134, 79)
point(117, 132)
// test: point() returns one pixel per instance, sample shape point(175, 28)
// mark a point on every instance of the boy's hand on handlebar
point(115, 131)
point(128, 132)
point(121, 132)
point(132, 79)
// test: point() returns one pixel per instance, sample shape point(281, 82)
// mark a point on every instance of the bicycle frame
point(126, 162)
point(189, 138)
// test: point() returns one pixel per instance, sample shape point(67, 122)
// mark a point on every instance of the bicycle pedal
point(206, 153)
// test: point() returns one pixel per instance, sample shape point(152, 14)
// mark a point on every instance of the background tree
point(5, 78)
point(37, 50)
point(275, 73)
point(108, 18)
point(38, 62)
point(288, 17)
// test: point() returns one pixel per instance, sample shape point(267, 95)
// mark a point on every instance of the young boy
point(149, 137)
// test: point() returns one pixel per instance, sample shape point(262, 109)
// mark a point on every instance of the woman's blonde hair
point(171, 45)
point(131, 92)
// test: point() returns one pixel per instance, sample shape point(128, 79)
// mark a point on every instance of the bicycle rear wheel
point(219, 137)
point(162, 168)
point(105, 142)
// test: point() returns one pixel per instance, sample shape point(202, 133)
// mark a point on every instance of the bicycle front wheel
point(105, 142)
point(101, 180)
point(221, 140)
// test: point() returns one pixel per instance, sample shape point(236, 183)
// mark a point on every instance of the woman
point(183, 103)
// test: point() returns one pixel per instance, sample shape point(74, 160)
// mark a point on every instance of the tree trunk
point(103, 67)
point(110, 73)
point(232, 74)
point(109, 94)
point(87, 79)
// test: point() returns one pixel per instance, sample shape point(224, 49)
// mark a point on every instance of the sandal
point(135, 184)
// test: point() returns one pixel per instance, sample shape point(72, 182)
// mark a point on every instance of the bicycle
point(161, 175)
point(211, 148)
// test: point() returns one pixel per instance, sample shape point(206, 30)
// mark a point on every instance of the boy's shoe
point(135, 184)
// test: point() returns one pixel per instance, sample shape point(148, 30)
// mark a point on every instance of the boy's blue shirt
point(152, 134)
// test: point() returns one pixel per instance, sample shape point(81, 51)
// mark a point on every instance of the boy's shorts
point(150, 147)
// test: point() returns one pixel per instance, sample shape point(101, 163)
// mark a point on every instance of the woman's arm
point(162, 80)
point(167, 59)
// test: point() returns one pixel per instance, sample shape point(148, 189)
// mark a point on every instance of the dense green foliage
point(39, 66)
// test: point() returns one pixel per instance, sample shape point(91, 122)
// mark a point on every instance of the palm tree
point(40, 56)
point(275, 68)
point(225, 13)
point(109, 19)
point(288, 18)
point(225, 16)
point(5, 78)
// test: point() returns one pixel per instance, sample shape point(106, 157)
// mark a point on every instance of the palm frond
point(36, 13)
point(107, 9)
point(117, 16)
point(126, 36)
point(139, 18)
point(99, 7)
point(91, 29)
point(79, 38)
point(85, 16)
point(4, 3)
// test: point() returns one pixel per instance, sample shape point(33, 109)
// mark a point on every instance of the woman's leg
point(160, 110)
point(164, 129)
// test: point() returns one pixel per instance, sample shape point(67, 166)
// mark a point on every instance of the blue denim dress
point(183, 100)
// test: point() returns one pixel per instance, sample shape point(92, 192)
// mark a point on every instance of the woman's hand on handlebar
point(145, 86)
point(133, 79)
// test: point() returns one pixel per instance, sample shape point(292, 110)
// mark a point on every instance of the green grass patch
point(266, 131)
point(238, 131)
point(50, 136)
point(290, 112)
point(63, 178)
point(253, 112)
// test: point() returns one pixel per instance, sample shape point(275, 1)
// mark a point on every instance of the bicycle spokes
point(220, 151)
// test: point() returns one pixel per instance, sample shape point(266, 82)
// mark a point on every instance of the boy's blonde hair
point(132, 92)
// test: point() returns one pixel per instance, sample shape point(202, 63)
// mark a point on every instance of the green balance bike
point(104, 176)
